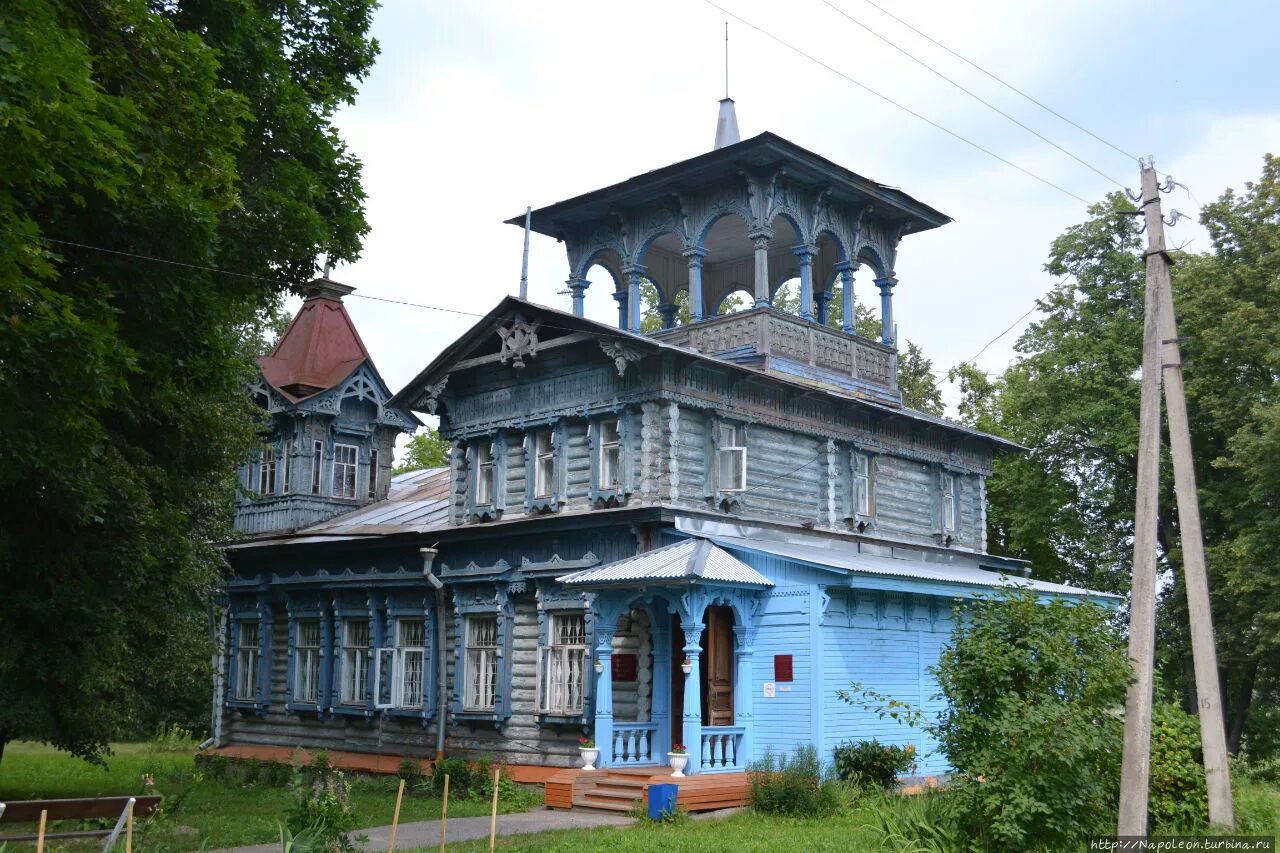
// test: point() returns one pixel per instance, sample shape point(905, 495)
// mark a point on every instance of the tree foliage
point(1071, 396)
point(425, 450)
point(194, 132)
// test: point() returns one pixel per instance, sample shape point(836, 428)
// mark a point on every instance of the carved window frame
point(492, 510)
point(255, 610)
point(308, 608)
point(552, 502)
point(555, 601)
point(486, 600)
point(725, 500)
point(405, 605)
point(945, 501)
point(616, 495)
point(353, 465)
point(348, 605)
point(854, 514)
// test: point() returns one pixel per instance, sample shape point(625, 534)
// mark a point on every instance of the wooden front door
point(717, 667)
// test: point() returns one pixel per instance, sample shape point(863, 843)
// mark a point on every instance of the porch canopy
point(714, 595)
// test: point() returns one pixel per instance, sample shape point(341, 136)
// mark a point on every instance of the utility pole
point(1213, 737)
point(1135, 768)
point(1160, 345)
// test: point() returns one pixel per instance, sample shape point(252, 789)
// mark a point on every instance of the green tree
point(192, 132)
point(1071, 396)
point(425, 450)
point(1029, 724)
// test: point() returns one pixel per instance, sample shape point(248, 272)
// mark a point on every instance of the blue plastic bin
point(662, 800)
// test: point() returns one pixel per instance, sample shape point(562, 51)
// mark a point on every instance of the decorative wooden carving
point(519, 341)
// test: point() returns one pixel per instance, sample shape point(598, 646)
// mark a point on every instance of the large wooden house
point(694, 536)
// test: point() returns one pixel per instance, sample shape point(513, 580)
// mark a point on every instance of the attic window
point(610, 454)
point(267, 471)
point(544, 464)
point(948, 502)
point(344, 470)
point(484, 473)
point(731, 458)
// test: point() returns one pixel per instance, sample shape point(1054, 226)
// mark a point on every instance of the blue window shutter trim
point(529, 447)
point(484, 599)
point(291, 669)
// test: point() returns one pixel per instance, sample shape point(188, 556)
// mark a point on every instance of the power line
point(974, 95)
point(1001, 335)
point(1002, 82)
point(897, 104)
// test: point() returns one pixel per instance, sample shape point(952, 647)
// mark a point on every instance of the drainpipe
point(428, 558)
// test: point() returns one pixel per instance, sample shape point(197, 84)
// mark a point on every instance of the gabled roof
point(767, 150)
point(483, 333)
point(690, 561)
point(320, 348)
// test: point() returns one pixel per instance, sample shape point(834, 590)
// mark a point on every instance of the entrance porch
point(672, 658)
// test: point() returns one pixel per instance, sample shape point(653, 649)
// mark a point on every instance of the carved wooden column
point(805, 254)
point(845, 270)
point(887, 333)
point(822, 301)
point(743, 694)
point(621, 298)
point(694, 258)
point(633, 275)
point(693, 693)
point(578, 290)
point(660, 636)
point(606, 625)
point(667, 310)
point(760, 239)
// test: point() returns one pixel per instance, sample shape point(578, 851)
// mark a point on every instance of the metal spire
point(727, 121)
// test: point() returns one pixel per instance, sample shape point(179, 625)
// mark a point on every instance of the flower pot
point(589, 756)
point(686, 667)
point(678, 761)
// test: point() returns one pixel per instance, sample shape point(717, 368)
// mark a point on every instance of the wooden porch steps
point(620, 789)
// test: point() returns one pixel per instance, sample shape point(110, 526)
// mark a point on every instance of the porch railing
point(722, 749)
point(633, 743)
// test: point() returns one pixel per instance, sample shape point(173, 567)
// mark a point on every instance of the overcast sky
point(476, 109)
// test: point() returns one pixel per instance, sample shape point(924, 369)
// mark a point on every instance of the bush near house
point(794, 786)
point(869, 763)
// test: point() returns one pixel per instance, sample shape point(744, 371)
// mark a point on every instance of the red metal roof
point(320, 348)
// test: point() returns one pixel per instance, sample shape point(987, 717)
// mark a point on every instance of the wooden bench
point(85, 808)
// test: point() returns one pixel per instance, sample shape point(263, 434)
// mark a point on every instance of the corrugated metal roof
point(417, 501)
point(687, 561)
point(844, 556)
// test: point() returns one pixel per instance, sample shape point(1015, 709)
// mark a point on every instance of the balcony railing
point(287, 512)
point(632, 743)
point(722, 749)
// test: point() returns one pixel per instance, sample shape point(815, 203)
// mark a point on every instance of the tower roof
point(320, 348)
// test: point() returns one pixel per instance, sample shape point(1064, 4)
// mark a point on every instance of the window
point(247, 653)
point(317, 457)
point(267, 471)
point(564, 665)
point(610, 455)
point(864, 496)
point(544, 464)
point(288, 468)
point(410, 663)
point(344, 470)
point(948, 502)
point(481, 665)
point(484, 473)
point(731, 456)
point(355, 661)
point(373, 474)
point(306, 665)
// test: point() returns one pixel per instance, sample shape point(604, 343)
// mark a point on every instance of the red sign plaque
point(782, 668)
point(624, 667)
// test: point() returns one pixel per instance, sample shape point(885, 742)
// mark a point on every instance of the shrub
point(173, 738)
point(869, 762)
point(1031, 721)
point(923, 823)
point(794, 786)
point(1178, 797)
point(410, 770)
point(321, 808)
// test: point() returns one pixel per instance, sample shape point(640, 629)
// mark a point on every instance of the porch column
point(805, 254)
point(888, 335)
point(660, 685)
point(743, 694)
point(822, 300)
point(760, 240)
point(621, 298)
point(693, 694)
point(605, 629)
point(694, 258)
point(668, 310)
point(845, 270)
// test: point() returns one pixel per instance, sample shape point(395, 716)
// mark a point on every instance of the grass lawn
point(199, 812)
point(742, 832)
